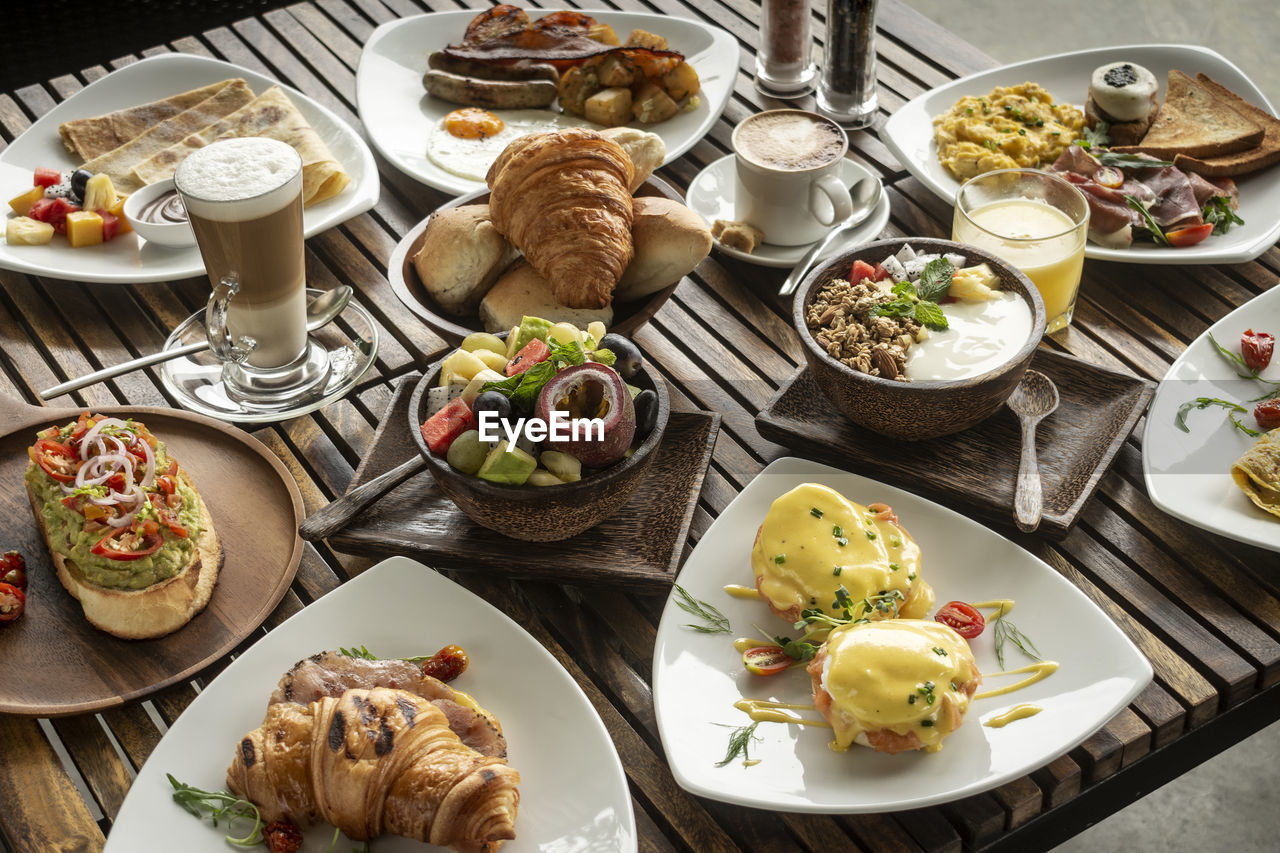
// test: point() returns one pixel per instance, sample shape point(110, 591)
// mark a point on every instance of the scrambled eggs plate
point(1011, 127)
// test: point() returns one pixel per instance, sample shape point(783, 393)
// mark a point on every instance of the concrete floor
point(1220, 804)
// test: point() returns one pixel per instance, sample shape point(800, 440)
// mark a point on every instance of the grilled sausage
point(490, 94)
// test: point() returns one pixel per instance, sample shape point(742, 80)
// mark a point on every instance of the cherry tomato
point(862, 270)
point(281, 836)
point(1256, 348)
point(1190, 235)
point(1267, 413)
point(1109, 176)
point(128, 545)
point(12, 602)
point(56, 459)
point(46, 177)
point(766, 660)
point(446, 664)
point(13, 569)
point(962, 618)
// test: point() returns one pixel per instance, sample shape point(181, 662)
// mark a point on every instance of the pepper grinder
point(783, 69)
point(847, 89)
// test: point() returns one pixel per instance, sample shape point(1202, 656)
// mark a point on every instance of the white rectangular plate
point(1188, 473)
point(698, 677)
point(909, 135)
point(400, 116)
point(129, 259)
point(573, 794)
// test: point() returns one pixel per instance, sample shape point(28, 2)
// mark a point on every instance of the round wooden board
point(53, 662)
point(403, 277)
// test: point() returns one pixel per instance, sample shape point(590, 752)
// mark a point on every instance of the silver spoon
point(1035, 397)
point(320, 312)
point(866, 195)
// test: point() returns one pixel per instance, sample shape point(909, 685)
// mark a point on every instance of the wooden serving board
point(640, 547)
point(978, 467)
point(52, 661)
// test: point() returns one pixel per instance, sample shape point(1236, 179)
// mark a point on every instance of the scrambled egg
point(1012, 127)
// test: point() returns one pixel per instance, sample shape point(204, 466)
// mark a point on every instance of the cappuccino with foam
point(789, 140)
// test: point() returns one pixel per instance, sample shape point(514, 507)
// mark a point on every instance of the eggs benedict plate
point(858, 688)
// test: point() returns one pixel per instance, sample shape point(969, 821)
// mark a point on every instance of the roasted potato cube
point(84, 228)
point(616, 70)
point(652, 105)
point(681, 81)
point(576, 85)
point(602, 33)
point(22, 203)
point(23, 231)
point(640, 38)
point(610, 107)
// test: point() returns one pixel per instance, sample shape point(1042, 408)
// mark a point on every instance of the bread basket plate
point(698, 677)
point(909, 135)
point(1188, 473)
point(400, 116)
point(129, 259)
point(573, 793)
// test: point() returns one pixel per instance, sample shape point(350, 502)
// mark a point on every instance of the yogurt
point(980, 337)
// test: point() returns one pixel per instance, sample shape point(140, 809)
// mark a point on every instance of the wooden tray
point(52, 661)
point(978, 468)
point(641, 547)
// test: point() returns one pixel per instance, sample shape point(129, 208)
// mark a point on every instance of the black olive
point(646, 403)
point(628, 355)
point(79, 179)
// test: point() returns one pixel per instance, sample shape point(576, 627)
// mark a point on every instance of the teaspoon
point(1035, 397)
point(866, 195)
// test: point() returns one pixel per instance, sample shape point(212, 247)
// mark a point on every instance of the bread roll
point(670, 240)
point(462, 255)
point(520, 291)
point(646, 150)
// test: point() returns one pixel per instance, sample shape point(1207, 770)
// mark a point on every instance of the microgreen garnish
point(780, 559)
point(1097, 135)
point(926, 690)
point(740, 744)
point(717, 622)
point(219, 805)
point(939, 651)
point(815, 512)
point(1004, 630)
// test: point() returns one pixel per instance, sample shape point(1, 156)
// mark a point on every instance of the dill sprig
point(1004, 630)
point(717, 622)
point(219, 805)
point(740, 744)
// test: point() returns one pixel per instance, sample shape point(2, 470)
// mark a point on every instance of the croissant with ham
point(372, 762)
point(563, 199)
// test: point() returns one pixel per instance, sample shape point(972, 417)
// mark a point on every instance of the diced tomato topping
point(529, 355)
point(444, 426)
point(1190, 235)
point(46, 177)
point(56, 459)
point(862, 270)
point(165, 483)
point(110, 225)
point(166, 515)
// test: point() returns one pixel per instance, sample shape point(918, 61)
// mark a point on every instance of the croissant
point(563, 199)
point(372, 762)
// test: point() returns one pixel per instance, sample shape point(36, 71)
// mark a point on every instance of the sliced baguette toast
point(143, 613)
point(1244, 162)
point(1194, 122)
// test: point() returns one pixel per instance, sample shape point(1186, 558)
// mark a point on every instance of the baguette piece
point(1194, 122)
point(143, 613)
point(1244, 162)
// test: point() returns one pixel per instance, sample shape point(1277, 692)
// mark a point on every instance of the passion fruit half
point(590, 390)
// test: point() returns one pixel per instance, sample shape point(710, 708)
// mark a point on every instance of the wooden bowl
point(921, 409)
point(627, 316)
point(542, 513)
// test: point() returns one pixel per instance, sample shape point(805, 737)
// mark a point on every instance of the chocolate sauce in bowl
point(164, 209)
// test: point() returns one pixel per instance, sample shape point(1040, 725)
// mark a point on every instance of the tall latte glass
point(244, 200)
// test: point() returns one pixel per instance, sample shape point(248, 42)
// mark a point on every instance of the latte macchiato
point(788, 140)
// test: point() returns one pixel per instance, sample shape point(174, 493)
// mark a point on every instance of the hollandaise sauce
point(1001, 606)
point(816, 549)
point(1037, 672)
point(738, 591)
point(1017, 712)
point(769, 711)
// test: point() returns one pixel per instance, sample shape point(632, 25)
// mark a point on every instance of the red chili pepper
point(1256, 348)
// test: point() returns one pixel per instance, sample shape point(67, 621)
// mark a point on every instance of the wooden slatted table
point(1206, 611)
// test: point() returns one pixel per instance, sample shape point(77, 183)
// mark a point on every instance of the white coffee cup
point(788, 175)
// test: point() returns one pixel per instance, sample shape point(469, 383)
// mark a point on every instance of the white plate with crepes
point(909, 135)
point(1188, 473)
point(401, 117)
point(128, 259)
point(573, 793)
point(697, 677)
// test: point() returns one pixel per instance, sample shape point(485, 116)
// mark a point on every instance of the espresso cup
point(788, 175)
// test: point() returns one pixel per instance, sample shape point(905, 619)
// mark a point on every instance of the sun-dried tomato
point(446, 664)
point(281, 836)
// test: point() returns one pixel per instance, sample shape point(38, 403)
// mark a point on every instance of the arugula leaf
point(1217, 211)
point(220, 805)
point(1157, 235)
point(1235, 358)
point(931, 316)
point(935, 281)
point(1096, 136)
point(1130, 161)
point(1205, 402)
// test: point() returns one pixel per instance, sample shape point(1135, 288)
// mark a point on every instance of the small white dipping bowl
point(175, 234)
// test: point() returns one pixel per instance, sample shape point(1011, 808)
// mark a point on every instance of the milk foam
point(234, 180)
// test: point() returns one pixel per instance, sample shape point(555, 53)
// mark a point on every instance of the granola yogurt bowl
point(870, 327)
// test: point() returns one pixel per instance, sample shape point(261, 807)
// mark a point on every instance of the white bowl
point(176, 234)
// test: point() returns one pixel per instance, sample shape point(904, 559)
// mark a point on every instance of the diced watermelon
point(54, 211)
point(444, 426)
point(46, 177)
point(880, 273)
point(862, 270)
point(110, 225)
point(529, 355)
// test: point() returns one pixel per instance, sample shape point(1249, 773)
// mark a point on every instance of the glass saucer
point(350, 343)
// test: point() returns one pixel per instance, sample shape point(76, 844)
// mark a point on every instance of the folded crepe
point(119, 162)
point(1257, 472)
point(93, 137)
point(271, 115)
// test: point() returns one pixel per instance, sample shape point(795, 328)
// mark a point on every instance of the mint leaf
point(604, 356)
point(903, 306)
point(935, 281)
point(531, 382)
point(569, 354)
point(931, 316)
point(506, 386)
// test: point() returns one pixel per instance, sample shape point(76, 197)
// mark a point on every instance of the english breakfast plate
point(402, 119)
point(573, 793)
point(129, 259)
point(697, 677)
point(909, 135)
point(1188, 473)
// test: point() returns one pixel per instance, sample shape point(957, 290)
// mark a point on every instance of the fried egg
point(466, 142)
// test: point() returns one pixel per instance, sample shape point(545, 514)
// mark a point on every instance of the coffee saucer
point(350, 343)
point(711, 196)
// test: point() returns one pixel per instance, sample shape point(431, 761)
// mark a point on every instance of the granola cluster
point(841, 322)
